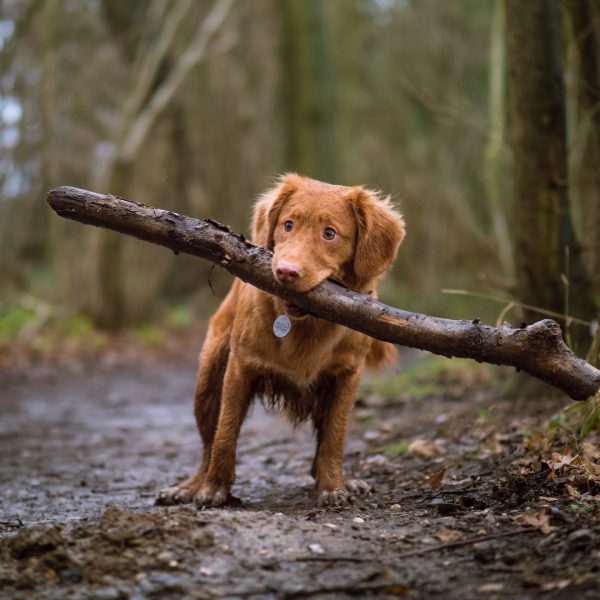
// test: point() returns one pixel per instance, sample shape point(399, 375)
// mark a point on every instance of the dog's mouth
point(294, 311)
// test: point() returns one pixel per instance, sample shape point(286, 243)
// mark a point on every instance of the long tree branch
point(537, 349)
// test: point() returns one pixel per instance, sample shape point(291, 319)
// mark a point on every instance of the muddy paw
point(211, 496)
point(175, 494)
point(358, 487)
point(338, 497)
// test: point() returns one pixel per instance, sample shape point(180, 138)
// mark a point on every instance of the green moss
point(178, 316)
point(13, 320)
point(78, 327)
point(430, 376)
point(150, 334)
point(364, 415)
point(393, 448)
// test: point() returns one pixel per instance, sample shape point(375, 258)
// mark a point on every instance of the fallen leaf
point(448, 535)
point(435, 479)
point(590, 450)
point(396, 589)
point(560, 460)
point(491, 587)
point(422, 447)
point(573, 492)
point(540, 520)
point(561, 584)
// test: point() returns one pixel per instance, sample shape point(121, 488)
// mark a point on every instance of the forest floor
point(474, 496)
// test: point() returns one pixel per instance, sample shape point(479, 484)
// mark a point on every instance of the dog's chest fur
point(311, 348)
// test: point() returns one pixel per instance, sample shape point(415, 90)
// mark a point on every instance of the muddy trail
point(472, 497)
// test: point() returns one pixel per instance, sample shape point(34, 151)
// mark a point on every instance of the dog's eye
point(288, 225)
point(329, 233)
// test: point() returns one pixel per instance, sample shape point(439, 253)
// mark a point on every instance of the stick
point(467, 542)
point(537, 349)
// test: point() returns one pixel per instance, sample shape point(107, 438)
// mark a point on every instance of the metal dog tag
point(282, 326)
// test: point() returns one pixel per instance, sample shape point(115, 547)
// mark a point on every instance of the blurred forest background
point(480, 117)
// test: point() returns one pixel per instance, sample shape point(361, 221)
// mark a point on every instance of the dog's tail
point(381, 354)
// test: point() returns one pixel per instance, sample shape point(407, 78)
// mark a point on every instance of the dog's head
point(318, 231)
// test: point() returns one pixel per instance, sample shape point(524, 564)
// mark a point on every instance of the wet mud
point(462, 507)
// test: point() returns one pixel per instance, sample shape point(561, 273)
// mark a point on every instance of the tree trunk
point(585, 165)
point(537, 349)
point(493, 165)
point(308, 91)
point(154, 93)
point(109, 295)
point(549, 268)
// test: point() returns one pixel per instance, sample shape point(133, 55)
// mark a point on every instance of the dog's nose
point(287, 273)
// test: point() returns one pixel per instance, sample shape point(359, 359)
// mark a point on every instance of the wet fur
point(313, 372)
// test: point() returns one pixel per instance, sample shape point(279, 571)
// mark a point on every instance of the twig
point(330, 558)
point(441, 547)
point(264, 445)
point(210, 285)
point(530, 307)
point(351, 589)
point(467, 542)
point(456, 491)
point(13, 524)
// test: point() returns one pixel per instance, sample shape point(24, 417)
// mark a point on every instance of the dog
point(316, 231)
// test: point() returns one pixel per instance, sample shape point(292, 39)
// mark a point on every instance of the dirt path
point(83, 455)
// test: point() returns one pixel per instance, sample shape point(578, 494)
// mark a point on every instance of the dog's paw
point(211, 496)
point(335, 498)
point(358, 487)
point(175, 494)
point(343, 496)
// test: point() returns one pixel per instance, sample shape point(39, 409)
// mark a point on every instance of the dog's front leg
point(331, 426)
point(235, 399)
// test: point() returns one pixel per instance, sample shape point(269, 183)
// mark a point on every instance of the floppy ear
point(267, 207)
point(380, 233)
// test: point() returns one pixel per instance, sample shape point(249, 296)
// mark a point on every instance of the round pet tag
point(282, 326)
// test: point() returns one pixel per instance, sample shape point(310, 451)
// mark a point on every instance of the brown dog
point(316, 231)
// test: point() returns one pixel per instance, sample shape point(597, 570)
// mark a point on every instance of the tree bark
point(493, 157)
point(537, 349)
point(549, 267)
point(308, 91)
point(585, 174)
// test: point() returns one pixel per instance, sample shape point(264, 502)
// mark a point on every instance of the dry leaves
point(435, 479)
point(448, 535)
point(423, 447)
point(540, 520)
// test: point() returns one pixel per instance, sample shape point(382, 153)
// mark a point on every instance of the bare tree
point(308, 90)
point(145, 103)
point(585, 138)
point(549, 268)
point(494, 171)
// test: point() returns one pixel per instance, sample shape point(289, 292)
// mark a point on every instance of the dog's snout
point(287, 273)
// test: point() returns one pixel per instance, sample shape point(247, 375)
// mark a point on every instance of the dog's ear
point(380, 233)
point(267, 207)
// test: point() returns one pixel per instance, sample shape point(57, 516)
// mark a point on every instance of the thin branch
point(147, 64)
point(536, 309)
point(164, 94)
point(466, 542)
